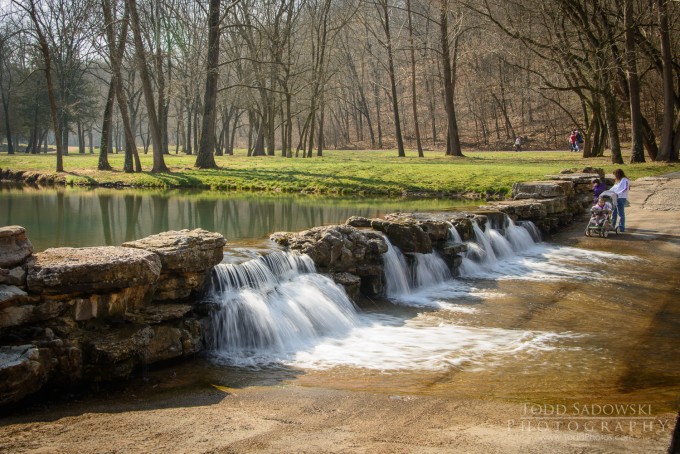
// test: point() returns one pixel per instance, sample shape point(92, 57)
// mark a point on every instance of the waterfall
point(501, 246)
point(485, 251)
point(532, 229)
point(429, 269)
point(455, 236)
point(521, 236)
point(491, 245)
point(273, 306)
point(396, 271)
point(401, 279)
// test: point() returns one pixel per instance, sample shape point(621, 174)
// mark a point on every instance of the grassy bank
point(337, 172)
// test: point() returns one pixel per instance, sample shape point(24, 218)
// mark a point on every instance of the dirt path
point(289, 415)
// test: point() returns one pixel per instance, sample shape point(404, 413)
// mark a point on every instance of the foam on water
point(417, 344)
point(278, 310)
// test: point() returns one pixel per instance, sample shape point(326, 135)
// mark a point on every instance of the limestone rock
point(407, 236)
point(15, 246)
point(542, 189)
point(21, 372)
point(115, 354)
point(350, 282)
point(14, 276)
point(109, 304)
point(358, 221)
point(184, 250)
point(339, 248)
point(11, 295)
point(91, 270)
point(25, 313)
point(187, 256)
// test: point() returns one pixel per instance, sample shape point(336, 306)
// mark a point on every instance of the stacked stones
point(69, 315)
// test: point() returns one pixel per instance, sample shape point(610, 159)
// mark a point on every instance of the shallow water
point(555, 323)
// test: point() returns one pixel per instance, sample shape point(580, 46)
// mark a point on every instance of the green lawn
point(337, 172)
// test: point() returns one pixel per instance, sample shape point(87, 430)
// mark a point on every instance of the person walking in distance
point(518, 144)
point(572, 141)
point(621, 187)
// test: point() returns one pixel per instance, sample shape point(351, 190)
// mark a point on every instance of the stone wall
point(351, 254)
point(72, 315)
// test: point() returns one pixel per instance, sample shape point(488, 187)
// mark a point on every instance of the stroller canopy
point(610, 195)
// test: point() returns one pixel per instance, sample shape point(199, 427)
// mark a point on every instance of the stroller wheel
point(588, 232)
point(605, 233)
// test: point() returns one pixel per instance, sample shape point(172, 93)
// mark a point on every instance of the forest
point(292, 78)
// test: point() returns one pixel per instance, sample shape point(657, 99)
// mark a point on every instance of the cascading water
point(277, 310)
point(275, 305)
point(397, 281)
point(485, 250)
point(401, 279)
point(521, 236)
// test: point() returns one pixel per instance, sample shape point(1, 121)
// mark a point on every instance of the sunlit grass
point(337, 172)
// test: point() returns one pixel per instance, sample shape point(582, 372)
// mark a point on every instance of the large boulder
point(186, 256)
point(15, 247)
point(542, 189)
point(114, 354)
point(337, 248)
point(407, 235)
point(21, 372)
point(66, 270)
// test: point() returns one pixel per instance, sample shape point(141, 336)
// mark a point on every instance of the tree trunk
point(611, 117)
point(666, 150)
point(158, 161)
point(44, 47)
point(637, 147)
point(116, 52)
point(8, 128)
point(393, 81)
point(106, 130)
point(414, 103)
point(205, 158)
point(453, 140)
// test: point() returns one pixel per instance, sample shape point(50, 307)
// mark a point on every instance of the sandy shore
point(290, 414)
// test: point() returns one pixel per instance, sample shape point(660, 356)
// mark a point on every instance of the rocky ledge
point(72, 315)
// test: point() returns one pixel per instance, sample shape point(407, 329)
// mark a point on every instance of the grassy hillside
point(337, 172)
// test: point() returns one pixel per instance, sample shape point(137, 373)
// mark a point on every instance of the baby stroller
point(600, 222)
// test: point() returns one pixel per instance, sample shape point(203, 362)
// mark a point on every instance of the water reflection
point(95, 217)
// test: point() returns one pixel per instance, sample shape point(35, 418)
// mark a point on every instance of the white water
point(277, 310)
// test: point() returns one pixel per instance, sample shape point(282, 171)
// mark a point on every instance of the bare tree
point(205, 157)
point(140, 52)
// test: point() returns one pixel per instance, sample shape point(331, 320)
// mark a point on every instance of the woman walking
point(621, 187)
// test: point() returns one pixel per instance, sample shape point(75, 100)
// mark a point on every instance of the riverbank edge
point(64, 336)
point(32, 178)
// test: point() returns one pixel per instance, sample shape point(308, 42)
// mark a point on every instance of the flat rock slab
point(184, 250)
point(91, 270)
point(542, 189)
point(15, 247)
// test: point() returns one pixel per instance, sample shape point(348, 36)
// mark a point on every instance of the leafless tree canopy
point(295, 77)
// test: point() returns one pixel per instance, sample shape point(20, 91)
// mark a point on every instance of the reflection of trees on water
point(98, 217)
point(133, 204)
point(105, 207)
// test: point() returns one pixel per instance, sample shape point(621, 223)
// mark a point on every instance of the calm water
point(97, 217)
